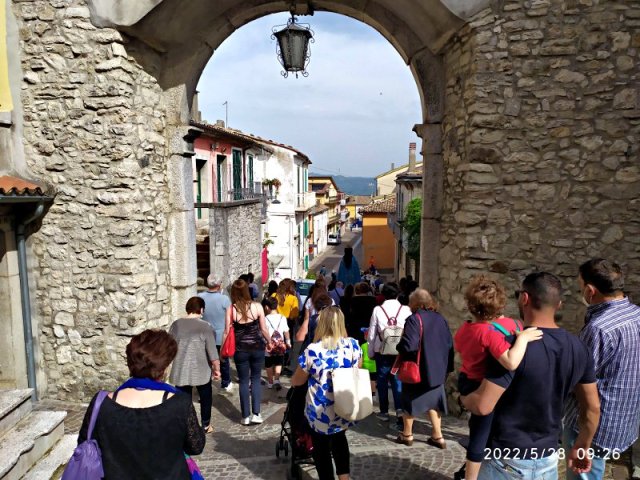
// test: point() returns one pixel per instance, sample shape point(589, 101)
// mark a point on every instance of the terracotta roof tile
point(18, 187)
point(359, 200)
point(386, 205)
point(248, 137)
point(318, 209)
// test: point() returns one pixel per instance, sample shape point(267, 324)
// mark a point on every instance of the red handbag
point(408, 371)
point(228, 348)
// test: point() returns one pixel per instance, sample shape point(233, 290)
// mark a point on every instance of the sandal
point(437, 442)
point(208, 429)
point(404, 439)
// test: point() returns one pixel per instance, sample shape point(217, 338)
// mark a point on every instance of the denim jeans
point(249, 364)
point(540, 469)
point(597, 463)
point(383, 369)
point(206, 400)
point(225, 369)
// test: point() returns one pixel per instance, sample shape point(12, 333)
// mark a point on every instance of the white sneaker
point(269, 386)
point(227, 390)
point(256, 418)
point(245, 421)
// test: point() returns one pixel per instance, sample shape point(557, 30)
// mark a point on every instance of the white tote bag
point(352, 393)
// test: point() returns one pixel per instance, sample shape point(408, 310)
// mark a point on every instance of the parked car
point(302, 286)
point(334, 239)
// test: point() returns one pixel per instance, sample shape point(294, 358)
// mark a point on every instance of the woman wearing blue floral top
point(331, 349)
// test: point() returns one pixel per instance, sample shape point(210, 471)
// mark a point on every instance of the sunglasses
point(517, 293)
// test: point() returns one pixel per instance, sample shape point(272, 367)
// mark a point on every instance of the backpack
point(276, 344)
point(503, 330)
point(391, 334)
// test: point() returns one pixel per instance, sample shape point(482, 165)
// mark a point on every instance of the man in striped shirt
point(612, 334)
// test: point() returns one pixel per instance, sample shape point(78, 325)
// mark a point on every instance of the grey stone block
point(28, 441)
point(182, 249)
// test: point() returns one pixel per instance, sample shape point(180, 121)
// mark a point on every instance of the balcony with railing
point(251, 194)
point(240, 194)
point(305, 201)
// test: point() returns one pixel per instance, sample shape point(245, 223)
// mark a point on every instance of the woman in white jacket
point(385, 331)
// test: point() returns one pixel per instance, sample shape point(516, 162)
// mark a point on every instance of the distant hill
point(354, 185)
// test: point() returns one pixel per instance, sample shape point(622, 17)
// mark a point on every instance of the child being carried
point(477, 341)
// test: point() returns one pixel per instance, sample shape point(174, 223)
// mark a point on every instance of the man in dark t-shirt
point(528, 402)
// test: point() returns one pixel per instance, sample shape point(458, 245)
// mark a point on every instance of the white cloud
point(353, 114)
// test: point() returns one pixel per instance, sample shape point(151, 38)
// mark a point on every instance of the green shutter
point(199, 195)
point(250, 173)
point(219, 177)
point(237, 175)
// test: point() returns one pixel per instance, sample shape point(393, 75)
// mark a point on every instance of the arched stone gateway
point(530, 140)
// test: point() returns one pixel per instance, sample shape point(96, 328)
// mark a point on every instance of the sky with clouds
point(352, 115)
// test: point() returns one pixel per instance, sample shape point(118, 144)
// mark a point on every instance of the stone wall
point(94, 124)
point(541, 145)
point(235, 241)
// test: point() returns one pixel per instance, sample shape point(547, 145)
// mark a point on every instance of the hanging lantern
point(293, 47)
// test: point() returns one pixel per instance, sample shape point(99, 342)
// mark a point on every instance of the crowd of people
point(535, 392)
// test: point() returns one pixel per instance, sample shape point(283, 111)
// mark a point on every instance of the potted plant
point(271, 184)
point(266, 241)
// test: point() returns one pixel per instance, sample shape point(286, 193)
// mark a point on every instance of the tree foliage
point(412, 222)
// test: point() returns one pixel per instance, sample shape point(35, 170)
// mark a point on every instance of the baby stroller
point(295, 432)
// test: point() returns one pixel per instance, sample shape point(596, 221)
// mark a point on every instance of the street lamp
point(293, 46)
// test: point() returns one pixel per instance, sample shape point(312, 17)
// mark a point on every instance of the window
point(250, 173)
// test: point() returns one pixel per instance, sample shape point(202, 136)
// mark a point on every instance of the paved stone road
point(331, 257)
point(240, 452)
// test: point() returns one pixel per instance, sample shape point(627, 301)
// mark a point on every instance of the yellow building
point(355, 203)
point(386, 182)
point(378, 242)
point(329, 195)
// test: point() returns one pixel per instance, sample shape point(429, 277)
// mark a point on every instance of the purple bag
point(86, 461)
point(193, 468)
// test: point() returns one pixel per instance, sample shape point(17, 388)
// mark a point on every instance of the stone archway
point(530, 135)
point(419, 32)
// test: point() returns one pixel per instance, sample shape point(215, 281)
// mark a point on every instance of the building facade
point(328, 194)
point(258, 180)
point(386, 182)
point(228, 201)
point(378, 242)
point(408, 188)
point(354, 207)
point(285, 173)
point(318, 223)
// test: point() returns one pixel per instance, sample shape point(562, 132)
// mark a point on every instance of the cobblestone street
point(240, 452)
